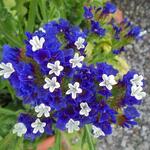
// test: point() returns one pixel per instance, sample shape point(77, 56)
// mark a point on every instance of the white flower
point(56, 68)
point(142, 33)
point(76, 60)
point(74, 89)
point(51, 84)
point(137, 92)
point(137, 80)
point(36, 43)
point(42, 109)
point(108, 81)
point(38, 126)
point(85, 109)
point(20, 129)
point(97, 132)
point(79, 43)
point(42, 29)
point(7, 70)
point(72, 125)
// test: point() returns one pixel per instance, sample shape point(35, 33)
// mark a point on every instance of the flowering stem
point(89, 139)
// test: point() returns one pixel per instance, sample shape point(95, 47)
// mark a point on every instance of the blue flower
point(104, 68)
point(11, 55)
point(134, 32)
point(95, 27)
point(88, 13)
point(109, 8)
point(131, 112)
point(118, 51)
point(27, 120)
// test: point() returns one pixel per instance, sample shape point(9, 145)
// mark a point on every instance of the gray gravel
point(138, 57)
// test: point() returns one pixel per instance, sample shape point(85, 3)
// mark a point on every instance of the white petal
point(68, 92)
point(73, 95)
point(109, 87)
point(46, 86)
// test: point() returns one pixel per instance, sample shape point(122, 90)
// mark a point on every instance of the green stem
point(90, 142)
point(57, 145)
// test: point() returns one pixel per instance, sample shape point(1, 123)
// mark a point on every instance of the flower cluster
point(121, 33)
point(52, 76)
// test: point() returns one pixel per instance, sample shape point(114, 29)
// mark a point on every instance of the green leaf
point(8, 142)
point(84, 138)
point(5, 111)
point(43, 9)
point(8, 27)
point(11, 90)
point(11, 142)
point(57, 145)
point(89, 139)
point(21, 11)
point(19, 144)
point(32, 15)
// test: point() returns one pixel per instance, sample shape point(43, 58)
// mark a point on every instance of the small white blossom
point(85, 109)
point(108, 81)
point(42, 109)
point(74, 89)
point(42, 29)
point(20, 129)
point(142, 33)
point(97, 132)
point(79, 43)
point(38, 126)
point(76, 61)
point(51, 84)
point(56, 68)
point(137, 92)
point(36, 43)
point(72, 125)
point(137, 80)
point(7, 70)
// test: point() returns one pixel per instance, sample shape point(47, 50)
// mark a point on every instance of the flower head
point(108, 81)
point(74, 89)
point(51, 84)
point(80, 43)
point(76, 61)
point(72, 125)
point(42, 109)
point(97, 132)
point(7, 70)
point(37, 43)
point(85, 109)
point(137, 92)
point(38, 126)
point(109, 8)
point(56, 68)
point(88, 13)
point(137, 80)
point(20, 129)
